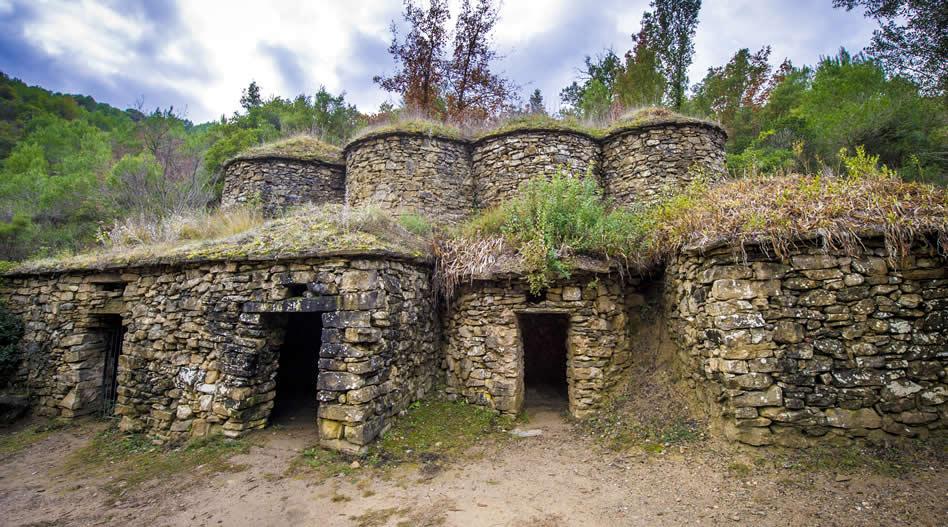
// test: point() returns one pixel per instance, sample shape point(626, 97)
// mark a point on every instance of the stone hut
point(815, 345)
point(308, 315)
point(505, 345)
point(190, 345)
point(284, 174)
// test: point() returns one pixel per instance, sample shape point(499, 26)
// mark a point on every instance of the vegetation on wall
point(553, 222)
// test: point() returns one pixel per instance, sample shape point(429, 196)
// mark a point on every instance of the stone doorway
point(295, 402)
point(545, 359)
point(112, 333)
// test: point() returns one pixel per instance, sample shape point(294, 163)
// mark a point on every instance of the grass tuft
point(132, 460)
point(302, 147)
point(13, 442)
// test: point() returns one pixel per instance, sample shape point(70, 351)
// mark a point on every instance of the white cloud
point(216, 47)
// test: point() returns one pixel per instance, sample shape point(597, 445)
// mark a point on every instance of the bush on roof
point(547, 223)
point(553, 220)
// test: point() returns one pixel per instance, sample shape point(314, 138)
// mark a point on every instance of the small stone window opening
point(297, 370)
point(112, 287)
point(536, 298)
point(544, 358)
point(295, 290)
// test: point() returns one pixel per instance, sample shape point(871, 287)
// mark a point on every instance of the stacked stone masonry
point(502, 163)
point(199, 352)
point(818, 346)
point(484, 348)
point(642, 165)
point(413, 174)
point(449, 179)
point(276, 184)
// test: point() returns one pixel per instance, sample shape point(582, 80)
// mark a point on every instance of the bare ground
point(560, 478)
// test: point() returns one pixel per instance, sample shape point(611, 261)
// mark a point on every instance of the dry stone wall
point(448, 179)
point(199, 352)
point(819, 346)
point(643, 164)
point(484, 348)
point(502, 163)
point(277, 183)
point(411, 173)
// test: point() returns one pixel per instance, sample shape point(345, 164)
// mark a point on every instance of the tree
point(473, 92)
point(421, 67)
point(250, 97)
point(640, 83)
point(912, 39)
point(735, 92)
point(671, 26)
point(536, 106)
point(593, 98)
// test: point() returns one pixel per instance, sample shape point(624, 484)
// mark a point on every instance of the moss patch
point(302, 147)
point(438, 429)
point(305, 231)
point(130, 460)
point(431, 432)
point(14, 441)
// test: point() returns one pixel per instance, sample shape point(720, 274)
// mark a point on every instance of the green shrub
point(415, 224)
point(553, 219)
point(11, 330)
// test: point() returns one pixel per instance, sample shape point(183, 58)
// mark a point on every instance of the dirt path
point(558, 478)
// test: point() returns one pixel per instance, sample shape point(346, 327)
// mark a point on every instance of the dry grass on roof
point(411, 125)
point(546, 231)
point(651, 116)
point(777, 213)
point(536, 122)
point(303, 147)
point(243, 234)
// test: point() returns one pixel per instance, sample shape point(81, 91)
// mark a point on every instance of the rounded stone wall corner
point(275, 184)
point(502, 163)
point(641, 165)
point(411, 173)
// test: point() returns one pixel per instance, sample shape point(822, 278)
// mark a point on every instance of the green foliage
point(416, 224)
point(912, 39)
point(436, 428)
point(800, 118)
point(11, 331)
point(553, 219)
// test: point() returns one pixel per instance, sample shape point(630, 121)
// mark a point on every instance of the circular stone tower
point(643, 161)
point(283, 174)
point(502, 160)
point(411, 172)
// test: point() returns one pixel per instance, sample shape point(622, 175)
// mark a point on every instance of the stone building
point(224, 339)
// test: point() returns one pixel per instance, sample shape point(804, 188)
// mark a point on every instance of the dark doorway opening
point(297, 369)
point(544, 358)
point(113, 333)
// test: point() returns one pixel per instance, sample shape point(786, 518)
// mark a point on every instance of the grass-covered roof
point(647, 117)
point(553, 224)
point(414, 126)
point(301, 147)
point(239, 235)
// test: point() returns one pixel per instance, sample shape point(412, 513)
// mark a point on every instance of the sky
point(198, 55)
